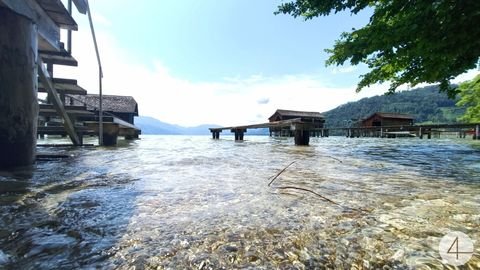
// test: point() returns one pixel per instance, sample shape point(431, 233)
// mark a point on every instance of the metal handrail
point(100, 76)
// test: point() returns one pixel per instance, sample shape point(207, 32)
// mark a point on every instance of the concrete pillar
point(18, 89)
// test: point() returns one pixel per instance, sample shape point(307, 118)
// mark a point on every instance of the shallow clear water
point(177, 202)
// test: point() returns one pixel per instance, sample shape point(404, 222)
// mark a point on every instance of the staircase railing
point(100, 76)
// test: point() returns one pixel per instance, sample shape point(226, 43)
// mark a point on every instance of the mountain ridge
point(150, 125)
point(426, 104)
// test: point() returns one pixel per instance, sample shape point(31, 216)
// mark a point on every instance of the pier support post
point(302, 137)
point(215, 134)
point(18, 89)
point(476, 135)
point(301, 134)
point(239, 134)
point(110, 134)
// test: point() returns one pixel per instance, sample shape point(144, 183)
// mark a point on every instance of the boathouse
point(315, 119)
point(382, 119)
point(123, 107)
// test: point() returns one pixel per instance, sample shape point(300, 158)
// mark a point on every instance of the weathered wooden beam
point(58, 13)
point(81, 5)
point(110, 134)
point(57, 103)
point(18, 93)
point(48, 30)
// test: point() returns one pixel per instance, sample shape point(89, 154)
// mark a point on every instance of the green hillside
point(426, 104)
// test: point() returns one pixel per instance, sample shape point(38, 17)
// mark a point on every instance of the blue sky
point(208, 40)
point(226, 62)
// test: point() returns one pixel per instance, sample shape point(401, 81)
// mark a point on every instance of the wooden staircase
point(62, 113)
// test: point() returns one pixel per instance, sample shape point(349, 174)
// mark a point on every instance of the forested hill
point(426, 104)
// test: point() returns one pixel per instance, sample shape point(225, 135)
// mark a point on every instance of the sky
point(228, 62)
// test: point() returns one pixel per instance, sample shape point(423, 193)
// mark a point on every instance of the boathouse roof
point(111, 103)
point(391, 115)
point(298, 114)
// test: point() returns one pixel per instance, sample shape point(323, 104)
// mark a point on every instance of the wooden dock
point(304, 130)
point(419, 131)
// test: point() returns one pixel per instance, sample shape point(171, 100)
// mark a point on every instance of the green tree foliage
point(406, 41)
point(426, 104)
point(470, 97)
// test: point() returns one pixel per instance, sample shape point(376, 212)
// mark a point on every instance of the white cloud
point(344, 69)
point(466, 76)
point(176, 100)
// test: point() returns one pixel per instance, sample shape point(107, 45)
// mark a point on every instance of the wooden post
point(429, 135)
point(18, 89)
point(238, 134)
point(301, 134)
point(476, 136)
point(110, 134)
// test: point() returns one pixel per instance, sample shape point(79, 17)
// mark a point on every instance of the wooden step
point(58, 58)
point(64, 86)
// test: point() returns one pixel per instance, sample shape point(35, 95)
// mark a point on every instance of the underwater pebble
point(4, 258)
point(251, 257)
point(230, 248)
point(398, 256)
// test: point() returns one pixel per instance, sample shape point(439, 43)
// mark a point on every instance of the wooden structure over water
point(315, 120)
point(379, 119)
point(301, 125)
point(419, 131)
point(29, 48)
point(382, 125)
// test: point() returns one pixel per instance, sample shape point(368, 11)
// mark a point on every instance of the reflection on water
point(173, 202)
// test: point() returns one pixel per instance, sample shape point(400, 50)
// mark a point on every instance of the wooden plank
point(50, 106)
point(54, 130)
point(48, 30)
point(61, 57)
point(64, 81)
point(124, 124)
point(53, 112)
point(58, 13)
point(81, 5)
point(282, 123)
point(65, 89)
point(44, 78)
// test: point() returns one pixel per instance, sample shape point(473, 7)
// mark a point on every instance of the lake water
point(179, 202)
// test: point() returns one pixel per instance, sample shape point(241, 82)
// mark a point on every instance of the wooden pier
point(302, 130)
point(419, 131)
